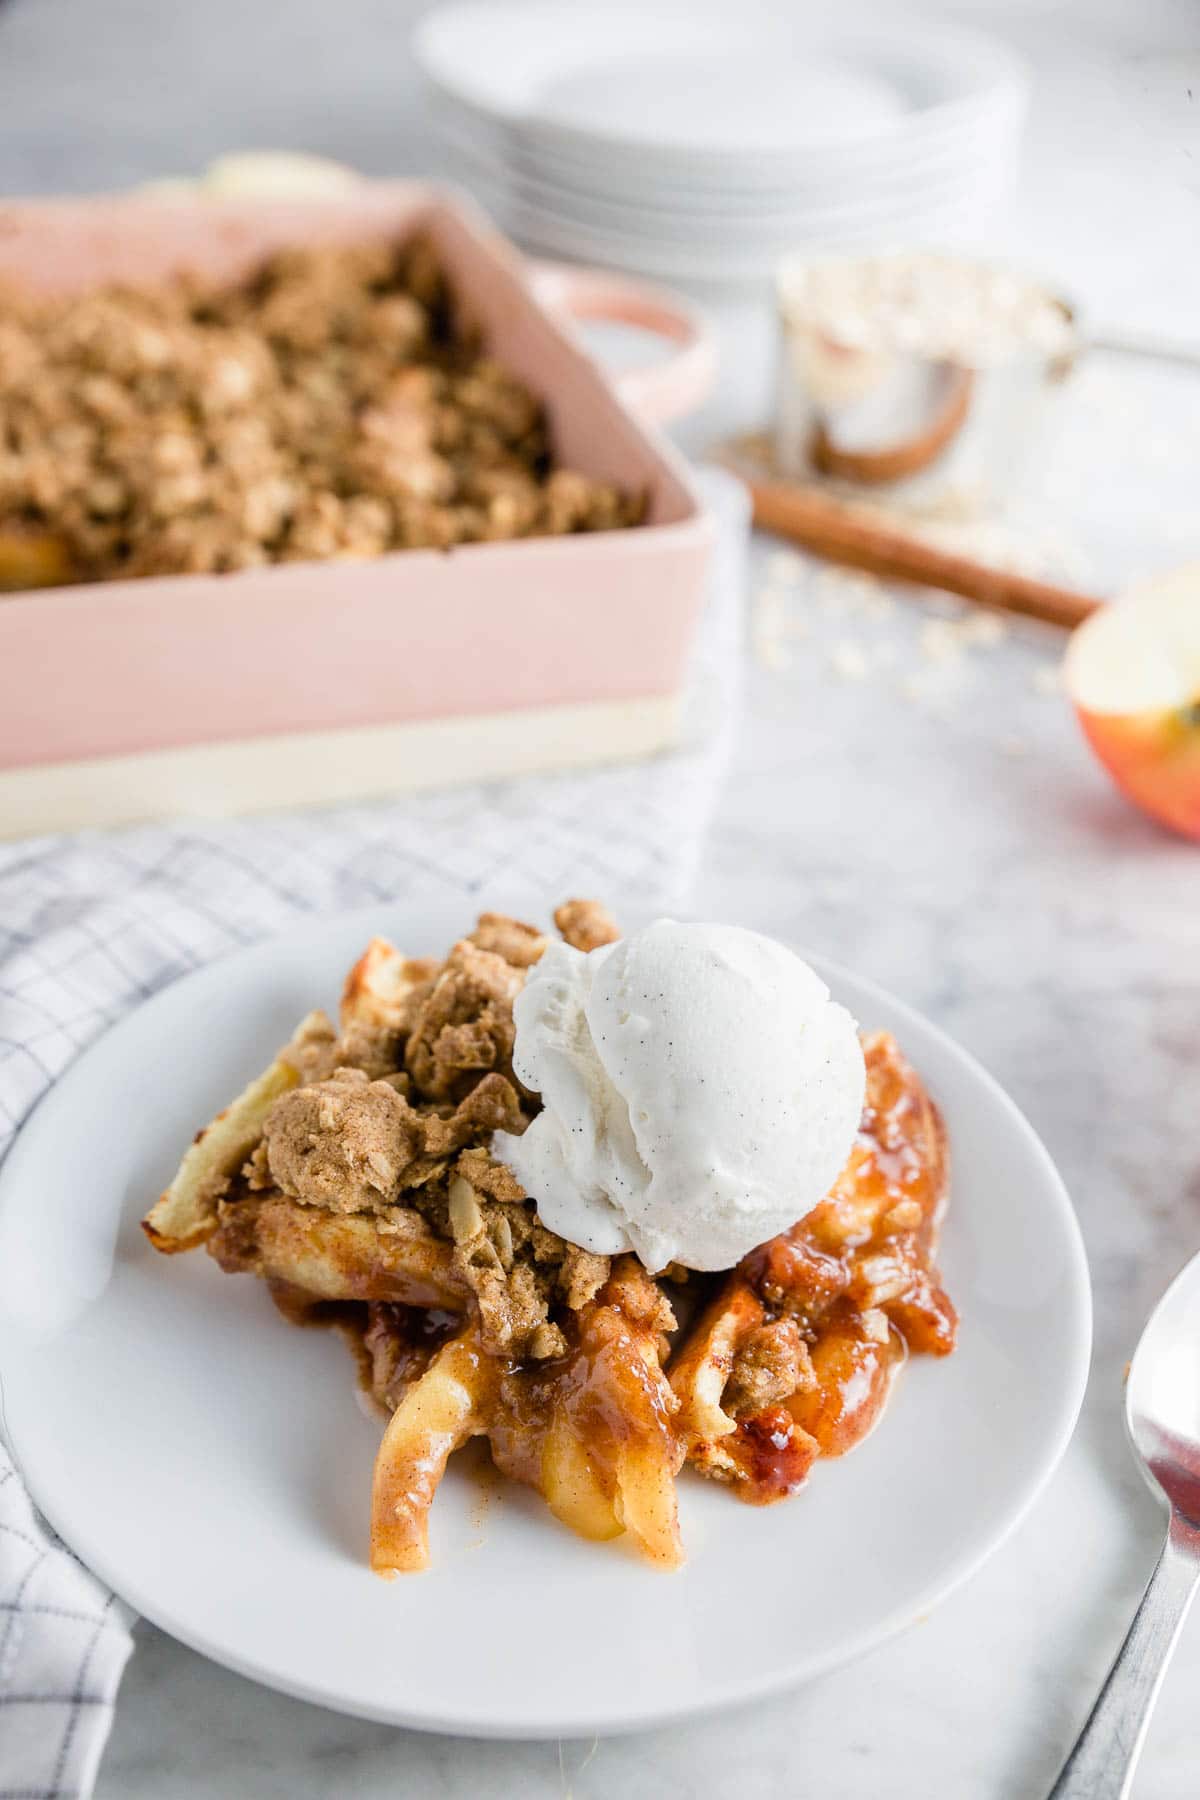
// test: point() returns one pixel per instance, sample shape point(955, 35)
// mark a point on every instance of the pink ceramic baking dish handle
point(666, 390)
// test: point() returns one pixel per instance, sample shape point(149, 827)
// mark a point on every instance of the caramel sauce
point(866, 1249)
point(774, 1454)
point(566, 1426)
point(398, 1345)
point(302, 1308)
point(391, 1344)
point(602, 1388)
point(854, 1376)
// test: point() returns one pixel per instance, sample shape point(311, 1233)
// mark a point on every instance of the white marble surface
point(962, 849)
point(957, 844)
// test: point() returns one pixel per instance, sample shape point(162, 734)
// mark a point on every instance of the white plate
point(660, 225)
point(680, 83)
point(734, 181)
point(211, 1463)
point(698, 205)
point(732, 95)
point(957, 226)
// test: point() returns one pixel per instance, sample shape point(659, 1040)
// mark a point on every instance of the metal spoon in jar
point(1162, 1413)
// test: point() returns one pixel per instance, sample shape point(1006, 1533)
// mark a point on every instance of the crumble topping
point(331, 405)
point(518, 944)
point(772, 1364)
point(351, 1144)
point(390, 1123)
point(346, 1144)
point(586, 924)
point(466, 1022)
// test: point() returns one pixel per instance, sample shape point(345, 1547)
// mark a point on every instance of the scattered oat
point(786, 568)
point(849, 660)
point(769, 604)
point(935, 688)
point(934, 305)
point(851, 591)
point(772, 655)
point(941, 640)
point(830, 591)
point(957, 504)
point(948, 639)
point(983, 630)
point(775, 600)
point(768, 628)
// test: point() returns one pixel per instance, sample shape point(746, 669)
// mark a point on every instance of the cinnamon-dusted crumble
point(465, 1024)
point(352, 1144)
point(333, 404)
point(392, 1116)
point(586, 924)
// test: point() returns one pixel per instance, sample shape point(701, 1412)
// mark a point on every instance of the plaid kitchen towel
point(92, 924)
point(64, 1640)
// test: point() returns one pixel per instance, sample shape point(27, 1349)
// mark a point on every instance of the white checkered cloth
point(64, 1641)
point(91, 924)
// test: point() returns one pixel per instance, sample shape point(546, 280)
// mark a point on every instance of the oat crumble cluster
point(393, 1118)
point(333, 405)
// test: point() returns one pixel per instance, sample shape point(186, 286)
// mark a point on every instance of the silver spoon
point(1162, 1413)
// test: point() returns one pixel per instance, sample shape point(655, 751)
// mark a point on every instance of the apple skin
point(1154, 758)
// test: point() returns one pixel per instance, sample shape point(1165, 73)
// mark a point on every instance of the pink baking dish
point(313, 682)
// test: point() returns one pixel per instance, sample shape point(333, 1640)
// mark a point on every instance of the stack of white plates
point(700, 141)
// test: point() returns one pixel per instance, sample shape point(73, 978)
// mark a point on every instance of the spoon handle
point(1101, 1765)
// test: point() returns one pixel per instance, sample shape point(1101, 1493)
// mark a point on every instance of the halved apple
point(1133, 673)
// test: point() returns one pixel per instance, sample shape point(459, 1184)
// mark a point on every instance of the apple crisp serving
point(335, 404)
point(357, 1177)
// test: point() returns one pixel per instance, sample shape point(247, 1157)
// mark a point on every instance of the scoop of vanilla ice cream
point(700, 1093)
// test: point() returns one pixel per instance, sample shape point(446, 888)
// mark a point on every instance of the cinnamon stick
point(843, 534)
